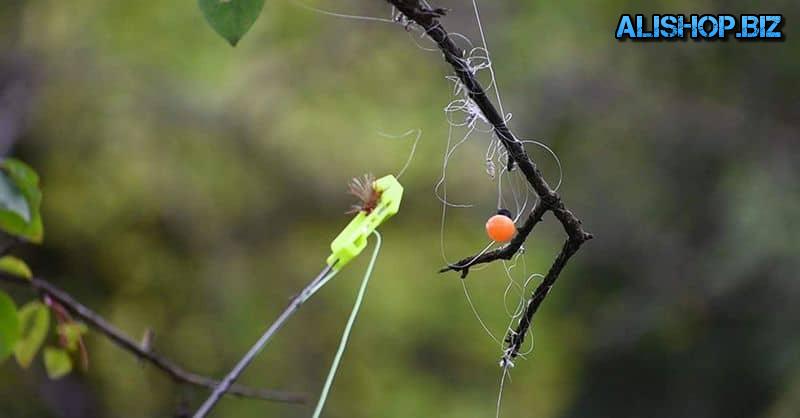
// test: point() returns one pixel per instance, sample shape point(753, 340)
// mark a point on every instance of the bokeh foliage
point(192, 188)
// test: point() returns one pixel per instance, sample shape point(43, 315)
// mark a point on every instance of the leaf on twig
point(9, 326)
point(34, 320)
point(57, 362)
point(72, 332)
point(15, 267)
point(231, 18)
point(20, 201)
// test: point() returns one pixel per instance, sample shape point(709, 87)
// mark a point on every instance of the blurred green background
point(192, 188)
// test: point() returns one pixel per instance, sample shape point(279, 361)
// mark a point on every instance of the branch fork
point(549, 200)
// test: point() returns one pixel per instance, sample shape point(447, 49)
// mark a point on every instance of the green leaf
point(72, 333)
point(12, 200)
point(34, 320)
point(9, 326)
point(20, 201)
point(15, 267)
point(57, 362)
point(23, 174)
point(231, 18)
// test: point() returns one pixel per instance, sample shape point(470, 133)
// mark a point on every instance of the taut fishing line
point(392, 20)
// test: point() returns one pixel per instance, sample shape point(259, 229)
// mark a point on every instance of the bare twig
point(428, 19)
point(517, 337)
point(505, 252)
point(125, 342)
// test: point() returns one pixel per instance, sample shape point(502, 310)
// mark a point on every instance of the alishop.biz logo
point(752, 27)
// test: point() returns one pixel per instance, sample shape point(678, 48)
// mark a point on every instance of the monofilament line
point(349, 327)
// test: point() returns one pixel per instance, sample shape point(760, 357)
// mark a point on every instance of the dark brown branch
point(517, 337)
point(125, 342)
point(429, 21)
point(549, 200)
point(505, 252)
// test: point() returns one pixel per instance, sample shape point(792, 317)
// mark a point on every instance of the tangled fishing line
point(521, 189)
point(472, 111)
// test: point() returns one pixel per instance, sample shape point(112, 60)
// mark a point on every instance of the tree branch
point(505, 252)
point(125, 342)
point(517, 337)
point(549, 200)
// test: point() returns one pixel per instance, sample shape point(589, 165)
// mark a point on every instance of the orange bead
point(500, 228)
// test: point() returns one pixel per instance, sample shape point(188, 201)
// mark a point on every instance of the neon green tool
point(353, 238)
point(346, 246)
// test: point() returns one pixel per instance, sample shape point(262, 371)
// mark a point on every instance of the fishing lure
point(500, 227)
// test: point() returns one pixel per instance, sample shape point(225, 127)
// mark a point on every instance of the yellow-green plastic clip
point(353, 238)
